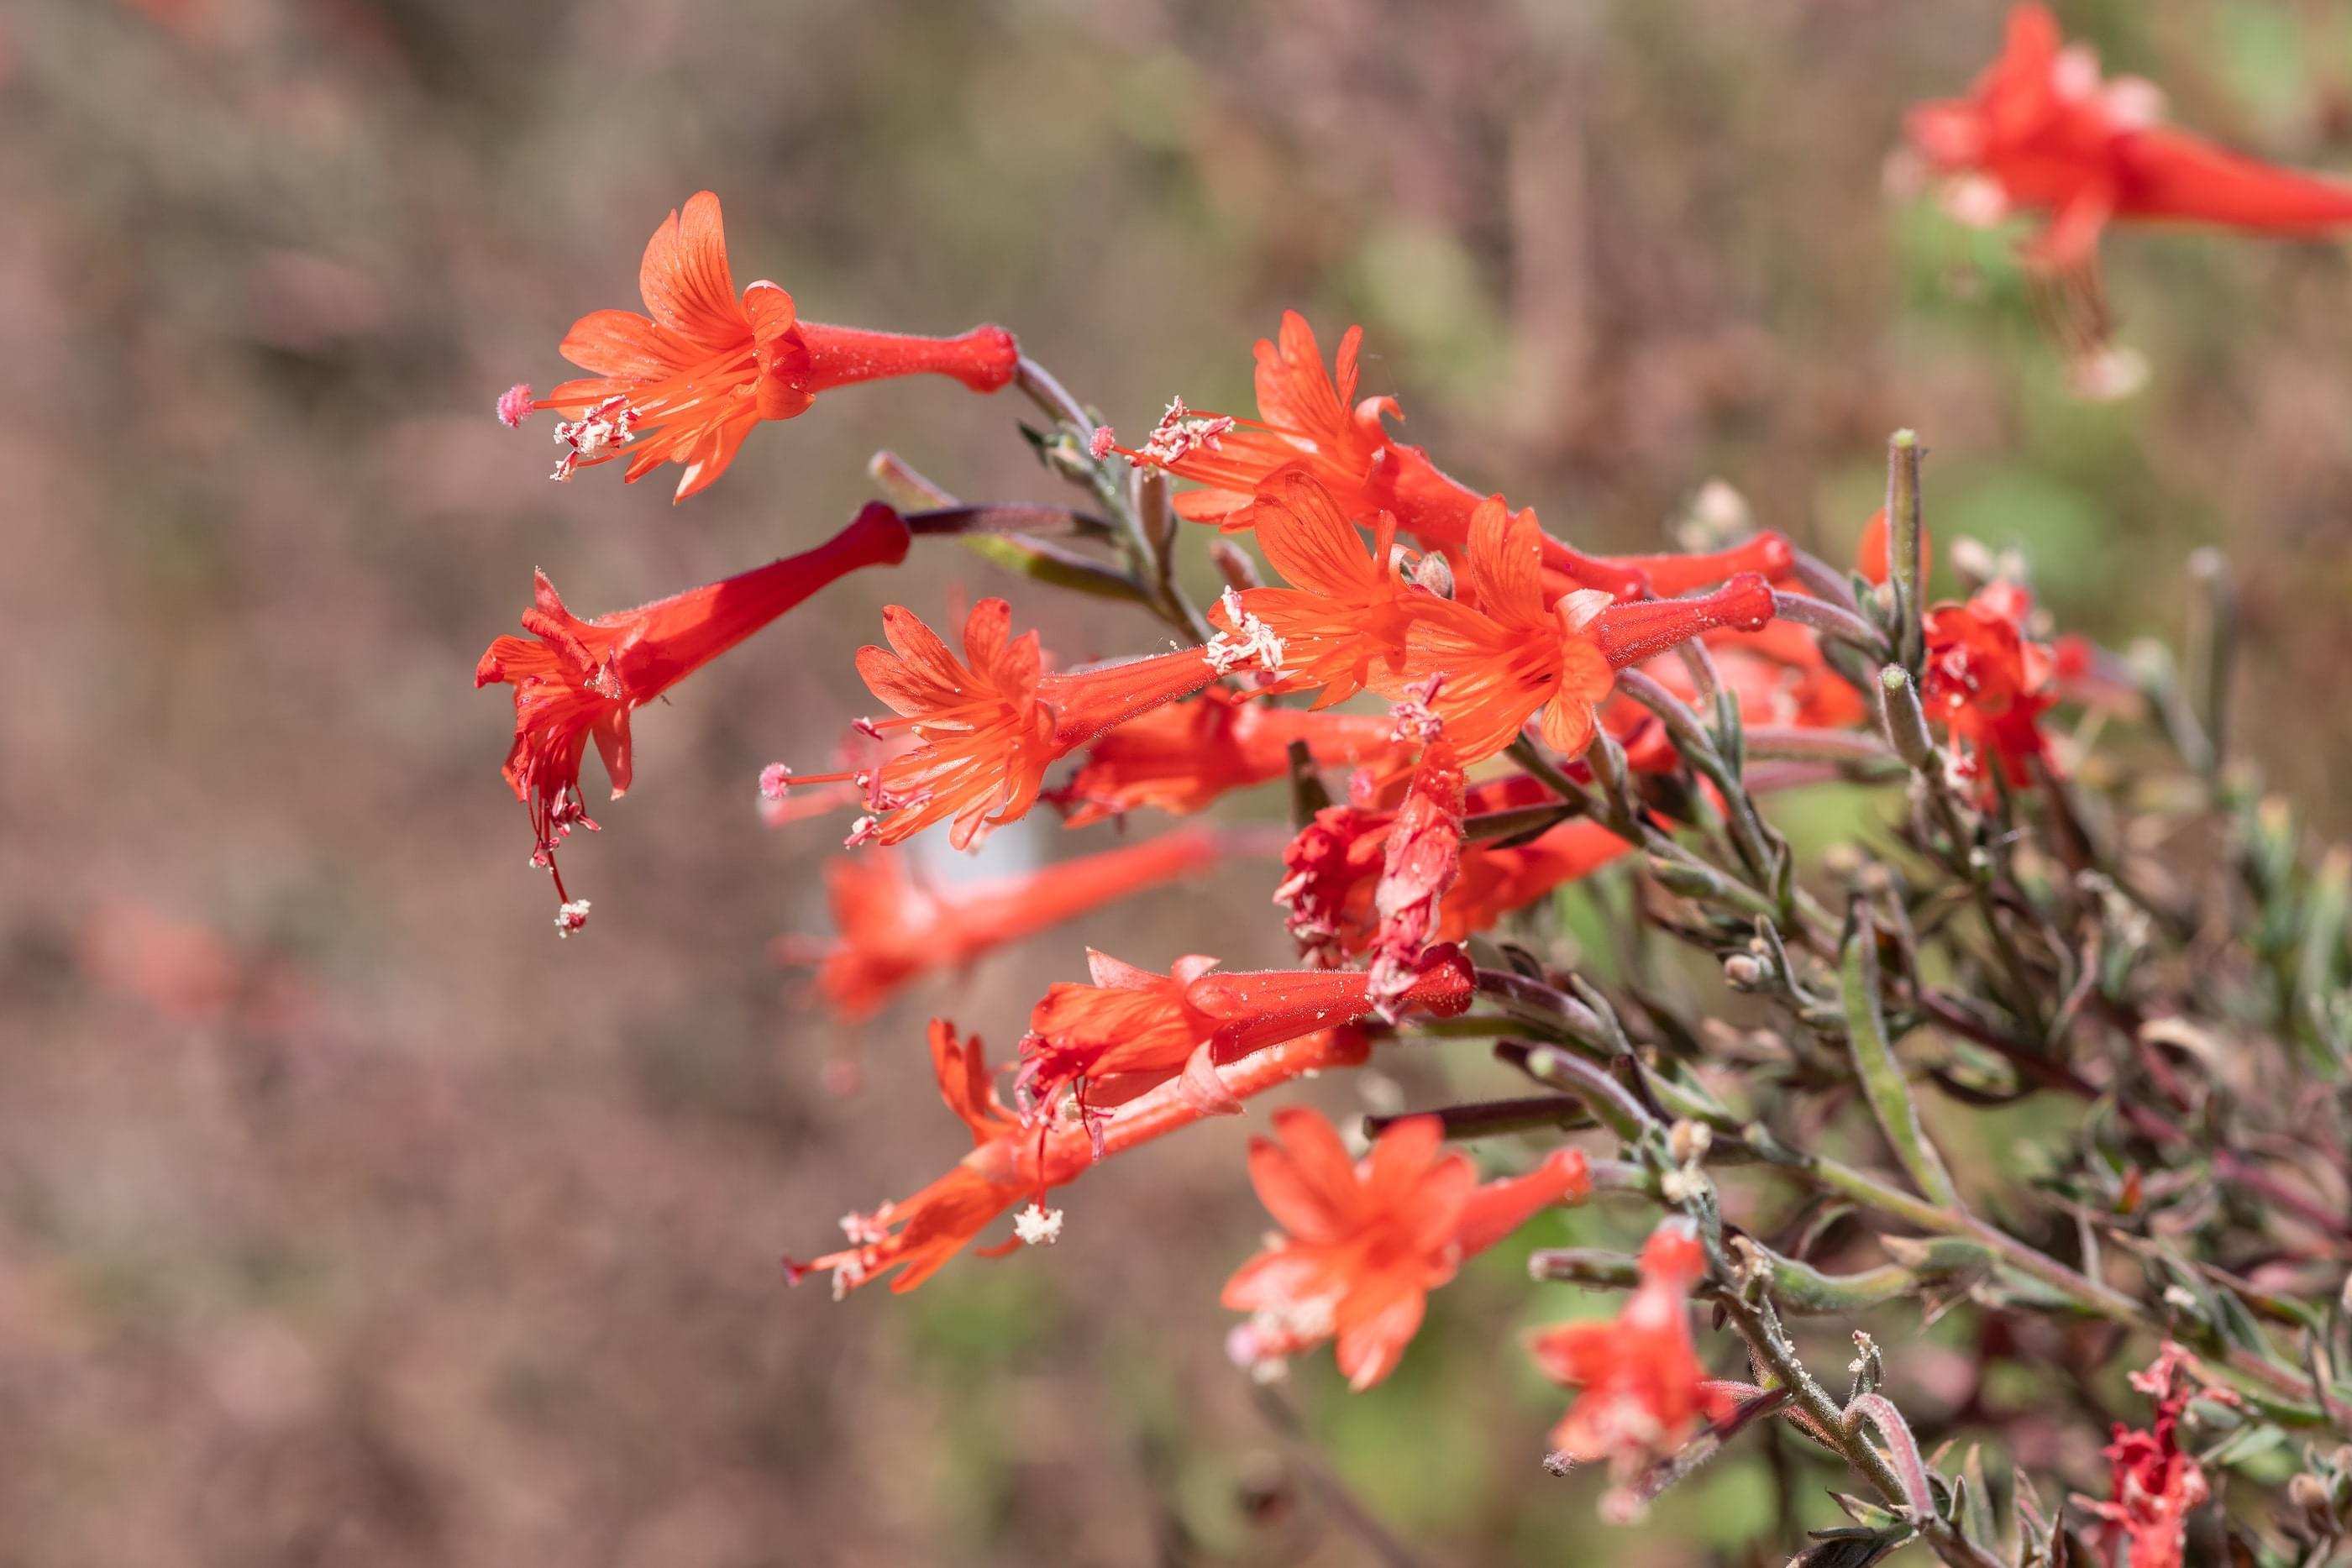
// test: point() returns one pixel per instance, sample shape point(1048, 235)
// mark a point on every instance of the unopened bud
point(2307, 1492)
point(1608, 760)
point(1743, 972)
point(1688, 881)
point(1906, 721)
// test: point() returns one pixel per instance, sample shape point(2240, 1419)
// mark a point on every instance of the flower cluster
point(1465, 713)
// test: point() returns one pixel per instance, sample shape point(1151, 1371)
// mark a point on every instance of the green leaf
point(1875, 1063)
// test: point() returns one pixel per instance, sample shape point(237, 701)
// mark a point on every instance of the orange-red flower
point(1310, 422)
point(1365, 1243)
point(892, 928)
point(1131, 1031)
point(686, 383)
point(1503, 659)
point(2156, 1485)
point(2041, 130)
point(1010, 1162)
point(1989, 683)
point(580, 680)
point(990, 725)
point(1642, 1392)
point(1181, 758)
point(1344, 618)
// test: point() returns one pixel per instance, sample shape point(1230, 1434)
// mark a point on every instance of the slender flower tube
point(686, 383)
point(892, 929)
point(580, 680)
point(1132, 1030)
point(987, 726)
point(1010, 1161)
point(2041, 131)
point(1364, 1243)
point(1310, 422)
point(1182, 758)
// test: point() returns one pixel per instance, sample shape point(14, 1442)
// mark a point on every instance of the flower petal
point(1305, 1180)
point(686, 281)
point(1375, 1323)
point(623, 345)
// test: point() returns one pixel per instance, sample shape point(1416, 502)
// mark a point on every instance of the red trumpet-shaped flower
point(686, 383)
point(2156, 1486)
point(1181, 758)
point(892, 928)
point(1989, 683)
point(1010, 1163)
point(2041, 131)
point(1364, 1243)
point(987, 726)
point(1642, 1392)
point(1512, 656)
point(1308, 423)
point(1131, 1031)
point(580, 680)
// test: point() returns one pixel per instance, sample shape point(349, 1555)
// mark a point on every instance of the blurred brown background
point(346, 1216)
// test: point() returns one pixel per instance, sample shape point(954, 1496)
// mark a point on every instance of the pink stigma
point(514, 404)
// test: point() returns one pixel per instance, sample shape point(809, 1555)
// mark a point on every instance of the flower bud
point(1906, 721)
